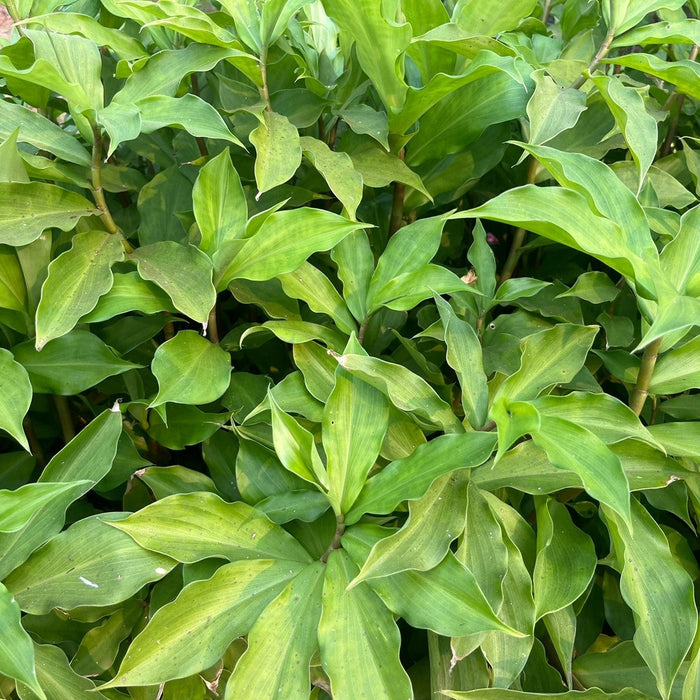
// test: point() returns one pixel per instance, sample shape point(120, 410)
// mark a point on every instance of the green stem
point(646, 370)
point(600, 55)
point(201, 143)
point(34, 444)
point(335, 543)
point(97, 190)
point(545, 11)
point(396, 220)
point(362, 330)
point(65, 418)
point(264, 90)
point(519, 235)
point(675, 106)
point(212, 326)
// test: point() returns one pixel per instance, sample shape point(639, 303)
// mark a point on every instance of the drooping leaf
point(490, 19)
point(183, 272)
point(16, 650)
point(621, 15)
point(503, 694)
point(283, 639)
point(16, 393)
point(190, 370)
point(69, 364)
point(27, 209)
point(677, 370)
point(410, 478)
point(659, 591)
point(76, 280)
point(189, 634)
point(566, 559)
point(278, 149)
point(355, 624)
point(90, 564)
point(680, 258)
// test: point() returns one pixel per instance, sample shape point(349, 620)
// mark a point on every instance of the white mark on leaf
point(88, 583)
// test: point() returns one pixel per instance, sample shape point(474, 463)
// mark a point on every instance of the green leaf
point(191, 633)
point(677, 370)
point(409, 478)
point(129, 293)
point(680, 258)
point(355, 624)
point(379, 41)
point(90, 564)
point(183, 272)
point(278, 149)
point(58, 678)
point(18, 508)
point(16, 393)
point(70, 364)
point(285, 240)
point(678, 439)
point(190, 370)
point(37, 130)
point(76, 280)
point(309, 284)
point(193, 526)
point(659, 591)
point(12, 168)
point(189, 112)
point(276, 16)
point(27, 209)
point(16, 649)
point(552, 109)
point(464, 355)
point(503, 694)
point(621, 15)
point(595, 287)
point(570, 446)
point(355, 421)
point(338, 171)
point(355, 260)
point(445, 599)
point(362, 119)
point(296, 332)
point(566, 559)
point(550, 357)
point(295, 446)
point(490, 19)
point(434, 521)
point(282, 641)
point(637, 126)
point(406, 390)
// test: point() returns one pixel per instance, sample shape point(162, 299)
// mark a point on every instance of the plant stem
point(646, 370)
point(65, 418)
point(676, 105)
point(362, 330)
point(600, 55)
point(396, 220)
point(519, 235)
point(264, 90)
point(545, 11)
point(201, 143)
point(34, 443)
point(335, 543)
point(97, 190)
point(212, 326)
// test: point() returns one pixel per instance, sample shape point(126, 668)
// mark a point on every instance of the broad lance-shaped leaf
point(183, 272)
point(57, 677)
point(295, 446)
point(566, 559)
point(190, 370)
point(563, 215)
point(282, 641)
point(406, 390)
point(15, 397)
point(355, 421)
point(680, 258)
point(191, 633)
point(27, 209)
point(16, 649)
point(278, 149)
point(379, 42)
point(338, 171)
point(409, 478)
point(76, 280)
point(89, 564)
point(490, 19)
point(503, 694)
point(621, 15)
point(221, 211)
point(285, 240)
point(659, 591)
point(637, 126)
point(678, 370)
point(445, 599)
point(464, 355)
point(433, 522)
point(552, 109)
point(70, 364)
point(193, 526)
point(550, 357)
point(355, 624)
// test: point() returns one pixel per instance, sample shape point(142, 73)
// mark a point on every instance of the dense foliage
point(349, 349)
